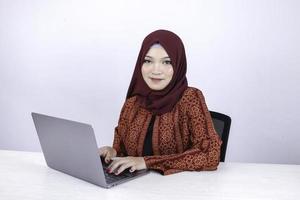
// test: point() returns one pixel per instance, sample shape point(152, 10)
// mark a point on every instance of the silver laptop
point(71, 147)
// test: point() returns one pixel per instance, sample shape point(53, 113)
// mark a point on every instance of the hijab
point(160, 101)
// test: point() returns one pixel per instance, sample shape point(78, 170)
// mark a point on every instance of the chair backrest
point(222, 124)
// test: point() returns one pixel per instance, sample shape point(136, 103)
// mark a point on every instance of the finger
point(103, 154)
point(113, 163)
point(132, 169)
point(116, 164)
point(107, 157)
point(110, 156)
point(118, 158)
point(123, 167)
point(114, 160)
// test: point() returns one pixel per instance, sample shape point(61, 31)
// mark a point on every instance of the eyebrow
point(161, 58)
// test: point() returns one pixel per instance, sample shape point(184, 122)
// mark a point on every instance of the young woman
point(164, 124)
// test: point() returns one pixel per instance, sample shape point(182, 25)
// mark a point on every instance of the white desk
point(24, 175)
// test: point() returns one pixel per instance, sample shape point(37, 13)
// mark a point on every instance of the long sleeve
point(204, 151)
point(118, 144)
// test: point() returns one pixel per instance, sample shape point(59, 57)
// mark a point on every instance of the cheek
point(145, 71)
point(170, 73)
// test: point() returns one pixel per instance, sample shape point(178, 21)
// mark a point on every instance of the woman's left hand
point(119, 164)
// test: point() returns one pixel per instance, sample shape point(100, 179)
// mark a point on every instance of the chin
point(157, 88)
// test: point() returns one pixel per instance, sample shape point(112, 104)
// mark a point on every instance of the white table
point(24, 175)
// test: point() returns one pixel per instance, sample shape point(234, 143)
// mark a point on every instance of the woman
point(164, 125)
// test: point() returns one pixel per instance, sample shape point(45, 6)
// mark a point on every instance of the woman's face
point(157, 69)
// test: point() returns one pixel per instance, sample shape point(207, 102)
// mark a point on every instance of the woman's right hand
point(107, 153)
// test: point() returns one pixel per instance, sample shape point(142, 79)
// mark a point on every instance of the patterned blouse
point(183, 139)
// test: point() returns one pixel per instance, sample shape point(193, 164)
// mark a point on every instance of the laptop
point(70, 147)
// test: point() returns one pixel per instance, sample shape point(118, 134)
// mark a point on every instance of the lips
point(155, 80)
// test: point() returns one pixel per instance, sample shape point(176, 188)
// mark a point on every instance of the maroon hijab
point(160, 101)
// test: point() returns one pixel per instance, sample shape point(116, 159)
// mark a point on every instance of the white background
point(74, 59)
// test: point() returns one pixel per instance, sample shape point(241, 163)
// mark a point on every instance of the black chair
point(222, 126)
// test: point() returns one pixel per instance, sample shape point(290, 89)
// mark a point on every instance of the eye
point(147, 61)
point(167, 62)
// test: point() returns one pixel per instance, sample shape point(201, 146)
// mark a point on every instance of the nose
point(156, 68)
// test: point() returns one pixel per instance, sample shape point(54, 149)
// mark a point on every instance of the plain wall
point(74, 59)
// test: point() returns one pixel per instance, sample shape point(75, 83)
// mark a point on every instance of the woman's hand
point(119, 164)
point(107, 153)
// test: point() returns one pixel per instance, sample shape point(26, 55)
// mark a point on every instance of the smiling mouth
point(155, 80)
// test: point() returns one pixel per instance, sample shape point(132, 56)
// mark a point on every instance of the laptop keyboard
point(111, 177)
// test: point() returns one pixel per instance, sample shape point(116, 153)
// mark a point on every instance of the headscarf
point(160, 101)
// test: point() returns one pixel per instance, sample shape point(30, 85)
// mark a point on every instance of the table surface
point(25, 175)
